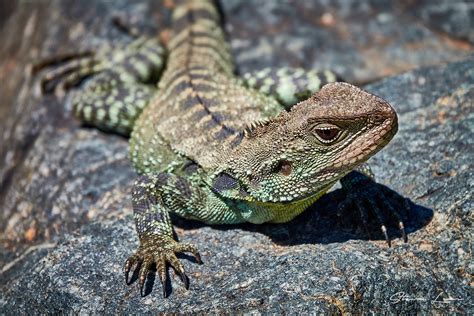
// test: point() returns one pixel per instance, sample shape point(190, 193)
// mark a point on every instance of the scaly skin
point(212, 147)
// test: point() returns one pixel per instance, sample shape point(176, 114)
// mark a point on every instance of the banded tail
point(198, 40)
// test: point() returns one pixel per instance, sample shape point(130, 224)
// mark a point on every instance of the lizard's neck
point(261, 212)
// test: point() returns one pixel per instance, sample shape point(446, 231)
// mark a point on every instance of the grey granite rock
point(360, 40)
point(453, 17)
point(66, 225)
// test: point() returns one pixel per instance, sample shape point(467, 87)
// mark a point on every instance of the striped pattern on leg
point(288, 85)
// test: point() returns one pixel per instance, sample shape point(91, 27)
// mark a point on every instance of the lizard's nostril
point(378, 118)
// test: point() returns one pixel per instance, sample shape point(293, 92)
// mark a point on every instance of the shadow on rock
point(323, 224)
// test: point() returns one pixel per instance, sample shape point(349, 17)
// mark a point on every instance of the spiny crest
point(261, 127)
point(251, 129)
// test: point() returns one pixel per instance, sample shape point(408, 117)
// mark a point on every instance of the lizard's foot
point(67, 71)
point(139, 61)
point(368, 196)
point(159, 251)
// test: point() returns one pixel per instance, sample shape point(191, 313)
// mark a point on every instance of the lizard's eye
point(284, 167)
point(327, 133)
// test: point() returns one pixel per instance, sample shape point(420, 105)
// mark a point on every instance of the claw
point(192, 249)
point(384, 230)
point(128, 266)
point(197, 256)
point(397, 216)
point(178, 267)
point(143, 274)
point(142, 285)
point(381, 219)
point(376, 200)
point(131, 261)
point(161, 271)
point(402, 230)
point(185, 279)
point(164, 279)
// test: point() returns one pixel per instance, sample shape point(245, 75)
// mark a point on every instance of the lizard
point(211, 146)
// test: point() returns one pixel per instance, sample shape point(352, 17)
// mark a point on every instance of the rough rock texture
point(66, 224)
point(455, 17)
point(360, 40)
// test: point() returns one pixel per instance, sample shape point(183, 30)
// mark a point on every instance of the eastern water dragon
point(218, 148)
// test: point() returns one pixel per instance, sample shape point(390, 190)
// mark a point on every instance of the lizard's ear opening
point(224, 182)
point(229, 186)
point(284, 167)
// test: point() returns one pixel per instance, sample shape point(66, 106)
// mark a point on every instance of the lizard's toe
point(401, 203)
point(186, 247)
point(177, 266)
point(131, 261)
point(144, 269)
point(160, 262)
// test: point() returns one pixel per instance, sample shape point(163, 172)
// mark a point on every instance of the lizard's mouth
point(311, 197)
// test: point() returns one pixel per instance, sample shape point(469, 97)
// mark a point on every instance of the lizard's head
point(304, 151)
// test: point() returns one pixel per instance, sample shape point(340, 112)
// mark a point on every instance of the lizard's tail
point(198, 38)
point(189, 12)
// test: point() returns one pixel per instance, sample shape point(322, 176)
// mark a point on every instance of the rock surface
point(66, 225)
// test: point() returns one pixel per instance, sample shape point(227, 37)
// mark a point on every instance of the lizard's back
point(200, 109)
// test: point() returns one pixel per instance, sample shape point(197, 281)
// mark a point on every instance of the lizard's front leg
point(154, 197)
point(361, 190)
